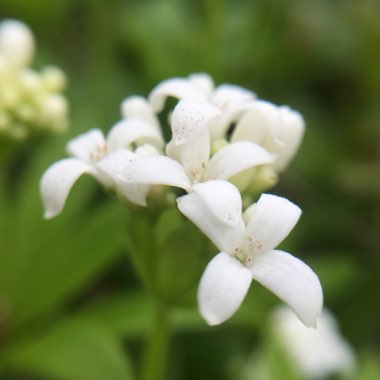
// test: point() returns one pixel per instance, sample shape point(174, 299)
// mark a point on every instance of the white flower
point(102, 158)
point(16, 43)
point(247, 252)
point(316, 353)
point(278, 129)
point(200, 88)
point(189, 151)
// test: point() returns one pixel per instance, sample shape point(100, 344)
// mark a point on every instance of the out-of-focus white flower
point(189, 151)
point(29, 101)
point(316, 353)
point(16, 43)
point(247, 252)
point(103, 158)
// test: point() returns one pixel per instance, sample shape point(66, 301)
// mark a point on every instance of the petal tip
point(50, 214)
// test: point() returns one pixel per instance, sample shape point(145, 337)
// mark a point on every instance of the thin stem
point(154, 361)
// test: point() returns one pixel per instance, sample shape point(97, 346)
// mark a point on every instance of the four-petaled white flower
point(247, 252)
point(103, 158)
point(188, 158)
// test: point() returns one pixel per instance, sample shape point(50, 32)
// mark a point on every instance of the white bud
point(16, 43)
point(54, 111)
point(53, 79)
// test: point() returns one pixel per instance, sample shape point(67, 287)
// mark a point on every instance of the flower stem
point(154, 361)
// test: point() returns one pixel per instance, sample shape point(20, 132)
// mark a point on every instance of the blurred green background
point(71, 306)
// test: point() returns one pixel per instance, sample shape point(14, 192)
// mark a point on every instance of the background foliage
point(71, 307)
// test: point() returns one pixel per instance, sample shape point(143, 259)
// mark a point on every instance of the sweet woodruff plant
point(226, 147)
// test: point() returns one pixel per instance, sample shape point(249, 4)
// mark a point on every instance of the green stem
point(154, 361)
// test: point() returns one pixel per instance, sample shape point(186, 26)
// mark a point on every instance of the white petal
point(227, 95)
point(147, 150)
point(189, 118)
point(230, 116)
point(318, 353)
point(292, 130)
point(259, 124)
point(222, 288)
point(226, 237)
point(89, 146)
point(156, 170)
point(203, 82)
point(194, 154)
point(292, 281)
point(16, 43)
point(57, 182)
point(113, 165)
point(134, 193)
point(112, 168)
point(222, 199)
point(234, 158)
point(137, 107)
point(271, 221)
point(179, 88)
point(173, 151)
point(126, 132)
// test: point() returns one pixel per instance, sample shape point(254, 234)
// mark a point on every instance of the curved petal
point(227, 95)
point(89, 146)
point(134, 193)
point(194, 154)
point(292, 130)
point(222, 199)
point(222, 288)
point(173, 151)
point(190, 117)
point(226, 237)
point(271, 221)
point(156, 170)
point(137, 107)
point(147, 150)
point(126, 132)
point(203, 82)
point(229, 118)
point(112, 168)
point(179, 88)
point(113, 165)
point(234, 158)
point(259, 124)
point(57, 182)
point(292, 281)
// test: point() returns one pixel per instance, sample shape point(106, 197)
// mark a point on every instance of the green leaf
point(129, 314)
point(44, 263)
point(72, 350)
point(58, 270)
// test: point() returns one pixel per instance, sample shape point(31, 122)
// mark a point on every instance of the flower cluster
point(30, 101)
point(225, 144)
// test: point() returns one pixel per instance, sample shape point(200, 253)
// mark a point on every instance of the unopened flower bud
point(16, 43)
